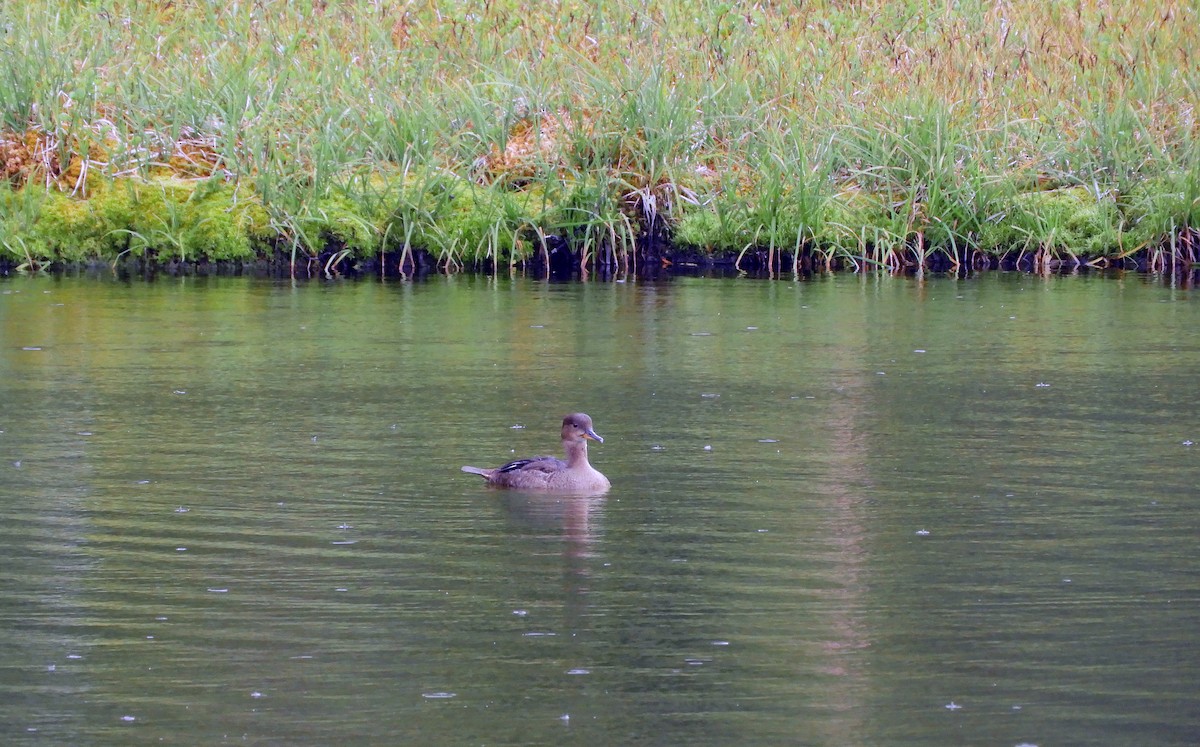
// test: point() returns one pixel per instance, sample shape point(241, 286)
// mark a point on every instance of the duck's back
point(533, 473)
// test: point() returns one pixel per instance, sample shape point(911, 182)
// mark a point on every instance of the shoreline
point(758, 264)
point(813, 137)
point(157, 223)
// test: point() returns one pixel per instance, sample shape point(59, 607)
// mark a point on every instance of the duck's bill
point(589, 433)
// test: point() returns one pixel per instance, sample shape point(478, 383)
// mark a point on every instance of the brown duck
point(548, 473)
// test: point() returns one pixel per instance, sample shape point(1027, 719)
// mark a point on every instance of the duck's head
point(578, 427)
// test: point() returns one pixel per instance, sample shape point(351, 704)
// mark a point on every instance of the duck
point(550, 474)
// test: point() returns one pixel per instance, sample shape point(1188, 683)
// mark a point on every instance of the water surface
point(845, 511)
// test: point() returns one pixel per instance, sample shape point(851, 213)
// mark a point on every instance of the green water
point(847, 511)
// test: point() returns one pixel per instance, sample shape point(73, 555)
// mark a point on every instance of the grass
point(868, 134)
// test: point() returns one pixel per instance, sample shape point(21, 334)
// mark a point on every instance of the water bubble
point(344, 525)
point(517, 427)
point(218, 591)
point(768, 440)
point(439, 695)
point(129, 719)
point(720, 643)
point(538, 634)
point(31, 348)
point(520, 613)
point(74, 656)
point(182, 510)
point(1042, 385)
point(708, 447)
point(952, 706)
point(751, 328)
point(255, 694)
point(1189, 442)
point(922, 532)
point(918, 350)
point(702, 334)
point(579, 670)
point(179, 391)
point(344, 542)
point(657, 447)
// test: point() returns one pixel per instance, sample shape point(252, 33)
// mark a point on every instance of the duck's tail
point(484, 473)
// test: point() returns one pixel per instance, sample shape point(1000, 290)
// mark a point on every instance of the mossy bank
point(603, 135)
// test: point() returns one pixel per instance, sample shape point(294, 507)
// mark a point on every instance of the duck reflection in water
point(571, 519)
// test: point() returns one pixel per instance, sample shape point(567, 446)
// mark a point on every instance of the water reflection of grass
point(884, 133)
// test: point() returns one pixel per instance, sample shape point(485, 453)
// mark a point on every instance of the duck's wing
point(546, 464)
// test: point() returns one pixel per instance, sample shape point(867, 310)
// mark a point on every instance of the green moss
point(339, 220)
point(189, 220)
point(458, 220)
point(72, 229)
point(715, 228)
point(851, 218)
point(1161, 207)
point(447, 215)
point(166, 218)
point(475, 222)
point(1066, 220)
point(19, 214)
